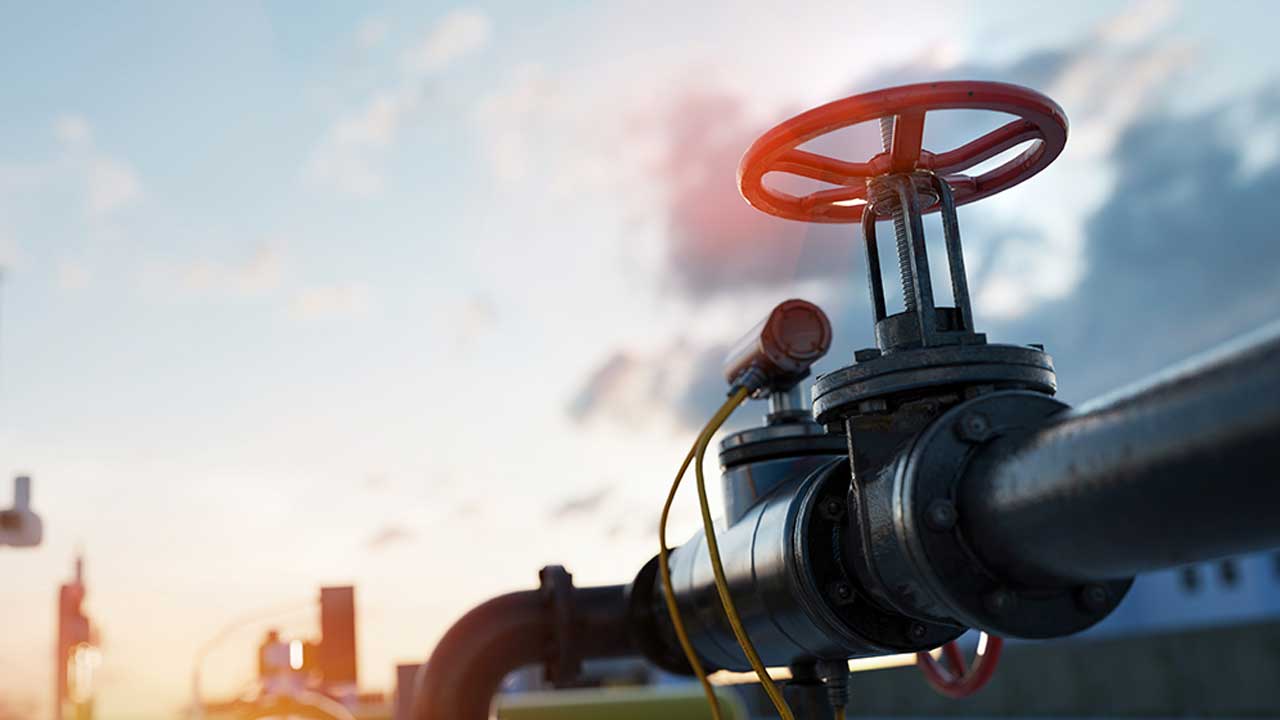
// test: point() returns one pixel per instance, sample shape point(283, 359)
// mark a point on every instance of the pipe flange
point(838, 596)
point(926, 520)
point(780, 440)
point(556, 586)
point(651, 628)
point(905, 372)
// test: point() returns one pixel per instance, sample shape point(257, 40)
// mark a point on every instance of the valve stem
point(899, 225)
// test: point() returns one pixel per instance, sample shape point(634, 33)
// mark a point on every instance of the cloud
point(72, 130)
point(468, 509)
point(509, 117)
point(389, 536)
point(112, 185)
point(376, 482)
point(10, 254)
point(456, 35)
point(110, 182)
point(580, 505)
point(348, 157)
point(262, 275)
point(1139, 21)
point(681, 382)
point(715, 242)
point(371, 33)
point(1180, 256)
point(330, 301)
point(476, 317)
point(73, 275)
point(259, 274)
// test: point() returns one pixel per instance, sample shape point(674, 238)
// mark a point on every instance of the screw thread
point(899, 227)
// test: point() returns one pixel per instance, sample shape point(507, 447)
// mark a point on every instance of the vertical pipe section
point(1181, 468)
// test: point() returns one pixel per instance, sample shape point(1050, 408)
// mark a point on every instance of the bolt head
point(941, 515)
point(842, 592)
point(866, 354)
point(974, 427)
point(832, 509)
point(873, 406)
point(917, 631)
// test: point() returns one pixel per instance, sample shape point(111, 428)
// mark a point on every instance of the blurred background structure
point(313, 677)
point(297, 296)
point(20, 526)
point(76, 656)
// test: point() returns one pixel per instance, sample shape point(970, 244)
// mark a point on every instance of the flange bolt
point(974, 427)
point(941, 515)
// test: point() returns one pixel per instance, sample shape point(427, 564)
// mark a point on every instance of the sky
point(424, 296)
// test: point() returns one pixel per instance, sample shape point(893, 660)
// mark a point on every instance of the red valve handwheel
point(1039, 119)
point(960, 681)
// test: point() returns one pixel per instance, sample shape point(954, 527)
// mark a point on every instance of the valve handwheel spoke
point(960, 680)
point(908, 136)
point(1039, 120)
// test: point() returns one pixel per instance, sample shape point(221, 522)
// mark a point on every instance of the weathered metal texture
point(914, 551)
point(1181, 468)
point(756, 460)
point(760, 466)
point(922, 324)
point(910, 373)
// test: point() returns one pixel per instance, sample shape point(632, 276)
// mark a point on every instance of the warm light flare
point(295, 654)
point(82, 663)
point(884, 662)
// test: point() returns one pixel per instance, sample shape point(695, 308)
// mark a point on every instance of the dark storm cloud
point(1182, 256)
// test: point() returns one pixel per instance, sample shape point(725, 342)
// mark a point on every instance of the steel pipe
point(1181, 468)
point(514, 630)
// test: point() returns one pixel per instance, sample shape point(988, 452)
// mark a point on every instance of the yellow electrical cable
point(669, 595)
point(717, 568)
